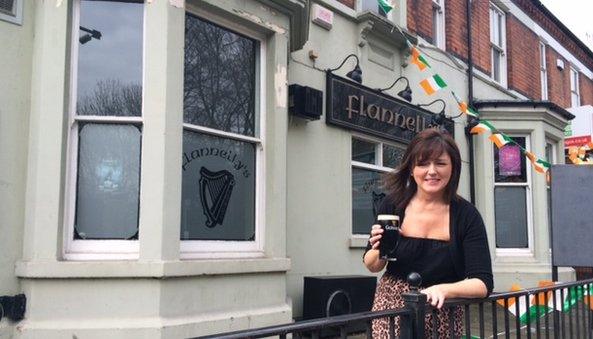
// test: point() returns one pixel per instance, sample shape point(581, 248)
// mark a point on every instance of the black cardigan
point(469, 250)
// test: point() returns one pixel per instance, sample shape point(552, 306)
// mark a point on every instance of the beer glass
point(390, 225)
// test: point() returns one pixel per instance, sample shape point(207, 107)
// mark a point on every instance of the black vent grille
point(7, 7)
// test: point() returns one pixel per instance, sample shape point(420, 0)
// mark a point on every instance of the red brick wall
point(552, 28)
point(420, 18)
point(558, 80)
point(523, 59)
point(456, 28)
point(481, 35)
point(586, 90)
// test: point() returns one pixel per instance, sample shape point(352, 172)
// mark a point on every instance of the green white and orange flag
point(541, 166)
point(386, 5)
point(481, 127)
point(531, 157)
point(433, 84)
point(464, 107)
point(500, 139)
point(418, 59)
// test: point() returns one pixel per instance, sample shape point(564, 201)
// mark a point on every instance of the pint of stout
point(390, 225)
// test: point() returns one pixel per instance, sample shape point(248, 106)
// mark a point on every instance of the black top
point(468, 249)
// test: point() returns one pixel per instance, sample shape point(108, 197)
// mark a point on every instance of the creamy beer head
point(385, 217)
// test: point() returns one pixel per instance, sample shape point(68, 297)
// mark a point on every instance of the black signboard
point(359, 108)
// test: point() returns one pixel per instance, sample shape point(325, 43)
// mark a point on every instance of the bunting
point(433, 84)
point(386, 5)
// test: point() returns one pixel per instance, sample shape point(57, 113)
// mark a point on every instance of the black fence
point(554, 311)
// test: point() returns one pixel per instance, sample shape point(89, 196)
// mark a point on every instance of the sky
point(576, 15)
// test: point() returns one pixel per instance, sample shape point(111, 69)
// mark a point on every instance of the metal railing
point(556, 311)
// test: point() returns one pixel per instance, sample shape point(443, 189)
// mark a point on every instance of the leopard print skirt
point(388, 295)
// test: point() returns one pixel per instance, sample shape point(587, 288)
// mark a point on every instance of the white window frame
point(219, 249)
point(16, 17)
point(438, 24)
point(518, 252)
point(543, 71)
point(377, 166)
point(553, 160)
point(575, 95)
point(74, 249)
point(494, 47)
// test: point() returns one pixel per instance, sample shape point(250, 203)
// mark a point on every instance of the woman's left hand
point(436, 295)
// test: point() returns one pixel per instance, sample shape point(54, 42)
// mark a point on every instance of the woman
point(442, 235)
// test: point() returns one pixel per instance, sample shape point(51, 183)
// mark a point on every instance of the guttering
point(470, 99)
point(525, 103)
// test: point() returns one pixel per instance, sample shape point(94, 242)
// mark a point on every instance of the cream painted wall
point(15, 81)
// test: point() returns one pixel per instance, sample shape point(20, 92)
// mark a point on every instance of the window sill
point(135, 269)
point(359, 241)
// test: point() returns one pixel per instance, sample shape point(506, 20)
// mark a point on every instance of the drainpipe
point(470, 99)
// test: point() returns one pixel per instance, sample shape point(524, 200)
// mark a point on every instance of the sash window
point(371, 159)
point(222, 147)
point(105, 128)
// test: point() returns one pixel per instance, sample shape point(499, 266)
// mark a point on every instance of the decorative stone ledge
point(139, 269)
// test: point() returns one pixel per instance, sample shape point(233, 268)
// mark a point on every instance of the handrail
point(311, 325)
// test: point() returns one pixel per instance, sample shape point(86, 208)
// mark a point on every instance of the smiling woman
point(442, 236)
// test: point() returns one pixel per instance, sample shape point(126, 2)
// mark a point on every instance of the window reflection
point(110, 67)
point(366, 198)
point(220, 78)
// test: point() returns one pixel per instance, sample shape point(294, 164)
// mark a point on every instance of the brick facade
point(558, 80)
point(586, 90)
point(523, 69)
point(420, 18)
point(523, 59)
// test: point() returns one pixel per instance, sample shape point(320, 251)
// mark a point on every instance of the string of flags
point(435, 82)
point(537, 306)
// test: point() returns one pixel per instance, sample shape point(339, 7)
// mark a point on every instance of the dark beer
point(390, 225)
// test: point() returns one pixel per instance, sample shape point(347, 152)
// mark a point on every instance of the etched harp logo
point(215, 193)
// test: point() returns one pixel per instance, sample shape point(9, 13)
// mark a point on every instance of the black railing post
point(412, 326)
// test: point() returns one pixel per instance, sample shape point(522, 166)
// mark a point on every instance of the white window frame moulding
point(503, 49)
point(517, 252)
point(543, 71)
point(576, 90)
point(17, 18)
point(441, 36)
point(92, 249)
point(222, 249)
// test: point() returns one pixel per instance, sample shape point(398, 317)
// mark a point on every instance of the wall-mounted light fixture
point(356, 73)
point(92, 34)
point(439, 118)
point(405, 94)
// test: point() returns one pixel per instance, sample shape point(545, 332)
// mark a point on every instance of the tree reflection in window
point(220, 78)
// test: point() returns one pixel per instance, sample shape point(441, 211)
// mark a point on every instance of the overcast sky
point(576, 15)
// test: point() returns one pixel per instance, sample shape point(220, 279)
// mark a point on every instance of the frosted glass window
point(110, 58)
point(108, 182)
point(218, 188)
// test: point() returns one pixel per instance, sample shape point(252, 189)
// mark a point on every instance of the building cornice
point(298, 13)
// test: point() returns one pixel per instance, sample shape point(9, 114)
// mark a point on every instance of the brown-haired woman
point(442, 235)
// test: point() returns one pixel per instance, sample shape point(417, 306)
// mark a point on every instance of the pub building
point(174, 168)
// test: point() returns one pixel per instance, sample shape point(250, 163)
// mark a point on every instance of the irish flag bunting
point(541, 166)
point(481, 127)
point(385, 5)
point(433, 84)
point(464, 107)
point(418, 59)
point(500, 139)
point(531, 157)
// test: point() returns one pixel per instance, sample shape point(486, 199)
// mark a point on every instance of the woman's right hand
point(376, 234)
